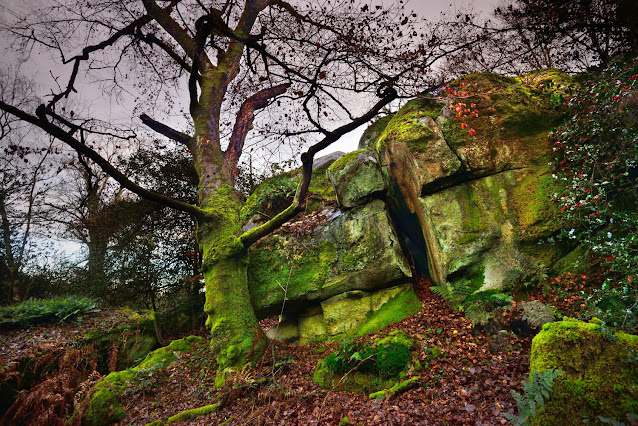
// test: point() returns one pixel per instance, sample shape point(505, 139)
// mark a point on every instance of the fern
point(453, 295)
point(536, 391)
point(443, 292)
point(536, 313)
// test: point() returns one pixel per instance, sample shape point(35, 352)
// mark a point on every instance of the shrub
point(38, 311)
point(596, 160)
point(386, 359)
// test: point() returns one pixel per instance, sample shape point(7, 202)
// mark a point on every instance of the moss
point(104, 406)
point(344, 160)
point(275, 193)
point(514, 117)
point(375, 367)
point(355, 381)
point(371, 135)
point(272, 196)
point(344, 421)
point(399, 388)
point(274, 265)
point(186, 415)
point(598, 379)
point(576, 261)
point(401, 306)
point(409, 125)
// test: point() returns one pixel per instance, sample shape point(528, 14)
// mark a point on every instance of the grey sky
point(43, 68)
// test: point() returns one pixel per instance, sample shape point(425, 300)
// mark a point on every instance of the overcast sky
point(429, 9)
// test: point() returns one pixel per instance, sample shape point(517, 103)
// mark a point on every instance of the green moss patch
point(408, 124)
point(512, 116)
point(103, 406)
point(401, 306)
point(277, 267)
point(276, 193)
point(365, 368)
point(186, 415)
point(601, 375)
point(371, 135)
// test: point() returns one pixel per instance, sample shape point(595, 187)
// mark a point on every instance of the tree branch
point(248, 238)
point(179, 34)
point(127, 30)
point(163, 129)
point(244, 122)
point(108, 168)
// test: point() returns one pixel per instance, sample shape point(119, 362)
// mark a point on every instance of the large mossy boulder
point(125, 345)
point(349, 314)
point(357, 178)
point(355, 250)
point(482, 198)
point(600, 373)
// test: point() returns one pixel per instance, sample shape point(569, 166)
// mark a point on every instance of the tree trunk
point(236, 337)
point(12, 284)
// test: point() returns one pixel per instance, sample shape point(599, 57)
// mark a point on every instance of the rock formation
point(456, 188)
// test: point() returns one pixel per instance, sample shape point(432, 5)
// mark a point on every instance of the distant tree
point(310, 71)
point(25, 174)
point(570, 34)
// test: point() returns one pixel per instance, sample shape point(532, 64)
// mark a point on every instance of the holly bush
point(596, 160)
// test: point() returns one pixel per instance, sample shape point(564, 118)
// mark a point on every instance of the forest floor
point(470, 383)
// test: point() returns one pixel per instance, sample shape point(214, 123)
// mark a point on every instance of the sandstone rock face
point(458, 188)
point(482, 198)
point(355, 250)
point(356, 178)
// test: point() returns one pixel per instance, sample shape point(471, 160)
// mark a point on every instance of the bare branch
point(108, 168)
point(252, 236)
point(163, 129)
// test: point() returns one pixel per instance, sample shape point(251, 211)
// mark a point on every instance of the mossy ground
point(600, 377)
point(104, 404)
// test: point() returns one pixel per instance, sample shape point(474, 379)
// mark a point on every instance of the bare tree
point(303, 72)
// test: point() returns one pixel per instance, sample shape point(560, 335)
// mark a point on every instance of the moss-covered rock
point(600, 372)
point(397, 389)
point(357, 367)
point(414, 132)
point(356, 177)
point(103, 405)
point(129, 342)
point(511, 117)
point(276, 193)
point(371, 135)
point(353, 313)
point(356, 250)
point(186, 415)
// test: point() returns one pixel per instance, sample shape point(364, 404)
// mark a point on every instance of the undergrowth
point(40, 311)
point(537, 389)
point(385, 359)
